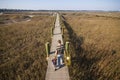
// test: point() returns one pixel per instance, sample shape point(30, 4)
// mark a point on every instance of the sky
point(61, 4)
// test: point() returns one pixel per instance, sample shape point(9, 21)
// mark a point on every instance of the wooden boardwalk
point(62, 73)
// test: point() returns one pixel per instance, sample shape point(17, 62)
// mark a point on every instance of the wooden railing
point(67, 57)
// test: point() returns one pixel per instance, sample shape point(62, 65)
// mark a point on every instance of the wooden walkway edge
point(62, 73)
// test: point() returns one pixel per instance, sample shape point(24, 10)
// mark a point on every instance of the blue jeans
point(59, 58)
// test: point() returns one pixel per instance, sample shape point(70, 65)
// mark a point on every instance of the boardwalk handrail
point(67, 57)
point(47, 46)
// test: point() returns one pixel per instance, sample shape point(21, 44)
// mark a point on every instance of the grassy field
point(22, 46)
point(96, 40)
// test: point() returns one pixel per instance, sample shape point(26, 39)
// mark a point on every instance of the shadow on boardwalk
point(61, 67)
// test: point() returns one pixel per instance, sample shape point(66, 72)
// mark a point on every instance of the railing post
point(67, 46)
point(67, 54)
point(62, 31)
point(51, 31)
point(47, 46)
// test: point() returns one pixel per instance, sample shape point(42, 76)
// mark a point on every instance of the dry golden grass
point(19, 17)
point(22, 48)
point(11, 18)
point(96, 39)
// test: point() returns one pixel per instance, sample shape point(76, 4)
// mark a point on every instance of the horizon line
point(62, 9)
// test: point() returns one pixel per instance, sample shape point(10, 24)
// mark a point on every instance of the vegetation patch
point(22, 48)
point(96, 48)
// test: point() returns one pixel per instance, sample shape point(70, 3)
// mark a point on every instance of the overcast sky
point(61, 4)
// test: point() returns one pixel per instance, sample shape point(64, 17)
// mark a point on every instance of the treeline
point(29, 10)
point(14, 10)
point(22, 10)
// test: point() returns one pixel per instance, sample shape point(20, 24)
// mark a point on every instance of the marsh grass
point(22, 48)
point(96, 45)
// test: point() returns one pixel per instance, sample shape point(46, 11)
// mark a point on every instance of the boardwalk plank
point(62, 73)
